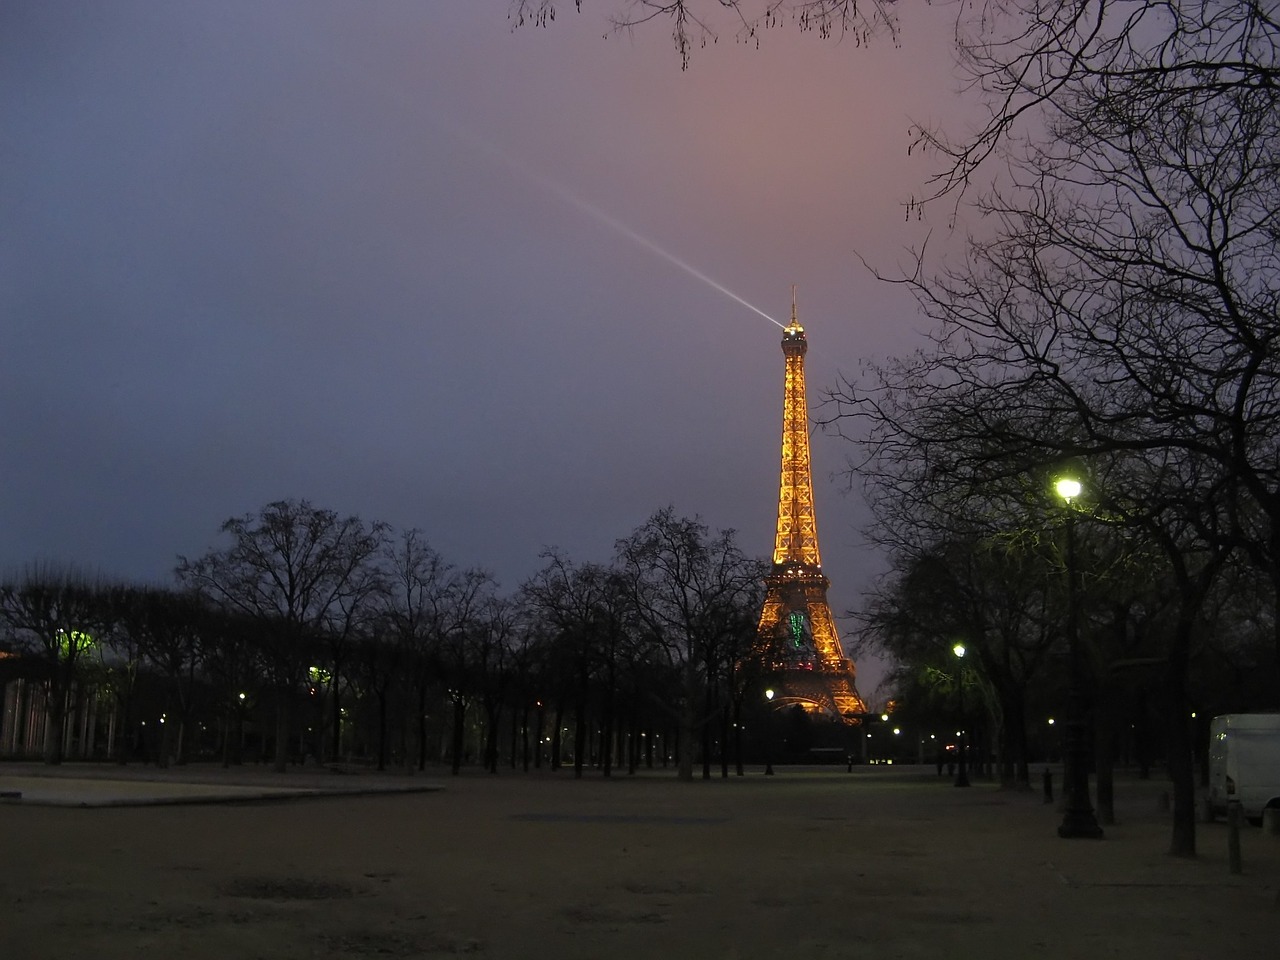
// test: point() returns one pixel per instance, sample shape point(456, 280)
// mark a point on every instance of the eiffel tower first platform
point(796, 641)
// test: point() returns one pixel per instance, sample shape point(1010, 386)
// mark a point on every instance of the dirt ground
point(884, 862)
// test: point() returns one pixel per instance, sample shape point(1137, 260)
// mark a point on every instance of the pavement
point(115, 785)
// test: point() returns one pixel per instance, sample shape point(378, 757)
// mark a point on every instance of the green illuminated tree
point(55, 615)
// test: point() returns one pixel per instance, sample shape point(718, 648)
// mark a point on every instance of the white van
point(1244, 763)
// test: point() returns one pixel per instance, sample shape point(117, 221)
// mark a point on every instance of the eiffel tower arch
point(796, 641)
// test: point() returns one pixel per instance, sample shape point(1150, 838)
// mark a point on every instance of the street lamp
point(1077, 814)
point(768, 734)
point(962, 772)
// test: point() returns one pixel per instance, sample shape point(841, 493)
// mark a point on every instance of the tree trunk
point(579, 739)
point(606, 742)
point(124, 702)
point(725, 740)
point(1181, 772)
point(282, 731)
point(422, 723)
point(739, 769)
point(524, 736)
point(1104, 751)
point(514, 746)
point(52, 752)
point(459, 734)
point(335, 738)
point(382, 729)
point(708, 713)
point(1274, 567)
point(684, 742)
point(492, 719)
point(1141, 736)
point(633, 745)
point(229, 724)
point(55, 709)
point(556, 744)
point(1015, 725)
point(688, 729)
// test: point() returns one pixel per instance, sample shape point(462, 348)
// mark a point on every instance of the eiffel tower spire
point(797, 636)
point(797, 535)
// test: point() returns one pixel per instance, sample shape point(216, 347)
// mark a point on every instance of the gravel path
point(879, 863)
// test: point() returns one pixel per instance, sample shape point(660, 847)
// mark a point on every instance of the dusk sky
point(398, 259)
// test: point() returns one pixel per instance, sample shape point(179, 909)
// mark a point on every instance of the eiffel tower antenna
point(796, 638)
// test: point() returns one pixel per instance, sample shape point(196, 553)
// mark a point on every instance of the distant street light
point(1077, 814)
point(962, 773)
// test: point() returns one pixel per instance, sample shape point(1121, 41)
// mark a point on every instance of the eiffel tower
point(796, 640)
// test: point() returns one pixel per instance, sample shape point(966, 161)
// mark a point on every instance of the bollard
point(1233, 836)
point(1271, 821)
point(1204, 810)
point(1048, 785)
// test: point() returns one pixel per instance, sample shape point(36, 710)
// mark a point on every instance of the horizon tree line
point(328, 637)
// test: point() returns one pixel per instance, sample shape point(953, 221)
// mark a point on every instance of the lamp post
point(768, 733)
point(240, 728)
point(1077, 813)
point(962, 772)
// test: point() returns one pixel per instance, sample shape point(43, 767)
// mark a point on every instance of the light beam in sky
point(645, 242)
point(484, 146)
point(558, 189)
point(562, 192)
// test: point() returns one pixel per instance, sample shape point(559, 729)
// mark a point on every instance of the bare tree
point(587, 605)
point(166, 628)
point(492, 642)
point(697, 23)
point(432, 607)
point(290, 567)
point(380, 655)
point(1123, 314)
point(462, 610)
point(417, 606)
point(686, 586)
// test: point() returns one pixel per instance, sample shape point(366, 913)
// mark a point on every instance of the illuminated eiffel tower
point(797, 639)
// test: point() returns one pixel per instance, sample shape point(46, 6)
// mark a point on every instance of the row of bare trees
point(335, 628)
point(1116, 319)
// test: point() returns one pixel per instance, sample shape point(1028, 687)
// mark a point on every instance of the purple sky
point(345, 251)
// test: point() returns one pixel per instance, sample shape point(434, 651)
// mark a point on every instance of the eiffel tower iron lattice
point(796, 639)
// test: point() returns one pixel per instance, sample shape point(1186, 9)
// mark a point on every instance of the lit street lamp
point(962, 772)
point(768, 734)
point(1077, 814)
